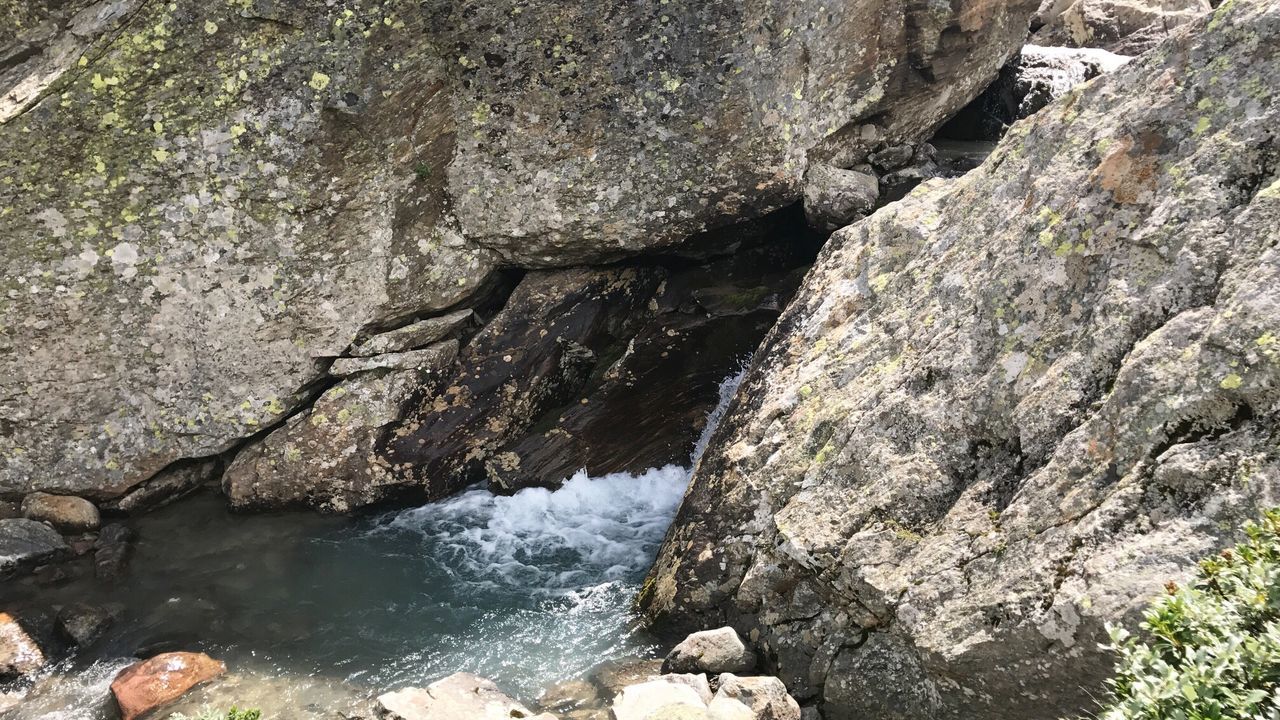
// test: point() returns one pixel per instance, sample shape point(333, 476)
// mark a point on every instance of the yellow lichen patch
point(1231, 382)
point(319, 81)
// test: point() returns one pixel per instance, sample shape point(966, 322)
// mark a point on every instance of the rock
point(569, 695)
point(654, 698)
point(461, 696)
point(174, 482)
point(177, 279)
point(150, 684)
point(834, 198)
point(67, 513)
point(752, 698)
point(1009, 408)
point(712, 652)
point(1037, 77)
point(327, 457)
point(20, 656)
point(415, 335)
point(9, 509)
point(81, 624)
point(615, 676)
point(892, 157)
point(26, 543)
point(112, 551)
point(433, 358)
point(1125, 26)
point(291, 695)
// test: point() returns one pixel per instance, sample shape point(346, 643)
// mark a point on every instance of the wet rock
point(655, 698)
point(67, 513)
point(415, 335)
point(171, 484)
point(752, 698)
point(969, 442)
point(112, 551)
point(459, 696)
point(20, 656)
point(277, 695)
point(614, 676)
point(892, 157)
point(26, 543)
point(1130, 27)
point(565, 697)
point(327, 457)
point(151, 684)
point(712, 652)
point(1032, 80)
point(834, 197)
point(378, 165)
point(82, 624)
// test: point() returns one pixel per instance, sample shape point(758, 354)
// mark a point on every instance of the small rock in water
point(67, 513)
point(461, 696)
point(112, 550)
point(753, 698)
point(711, 651)
point(613, 677)
point(25, 543)
point(655, 698)
point(19, 654)
point(82, 624)
point(569, 695)
point(145, 686)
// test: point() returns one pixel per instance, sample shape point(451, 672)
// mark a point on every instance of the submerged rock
point(26, 543)
point(208, 201)
point(82, 624)
point(461, 696)
point(151, 684)
point(20, 656)
point(67, 513)
point(112, 550)
point(1009, 408)
point(712, 652)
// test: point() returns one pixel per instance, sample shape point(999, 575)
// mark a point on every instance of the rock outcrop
point(206, 203)
point(1124, 26)
point(1011, 407)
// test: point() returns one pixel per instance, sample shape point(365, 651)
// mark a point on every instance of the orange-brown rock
point(147, 685)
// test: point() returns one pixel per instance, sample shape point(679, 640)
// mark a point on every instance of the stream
point(527, 589)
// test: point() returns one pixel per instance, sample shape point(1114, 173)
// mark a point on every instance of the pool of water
point(527, 589)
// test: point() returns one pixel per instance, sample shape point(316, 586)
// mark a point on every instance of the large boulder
point(205, 203)
point(1011, 407)
point(150, 684)
point(1124, 26)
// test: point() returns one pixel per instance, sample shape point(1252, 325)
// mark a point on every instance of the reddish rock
point(149, 684)
point(19, 654)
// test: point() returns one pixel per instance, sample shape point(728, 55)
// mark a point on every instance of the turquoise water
point(527, 589)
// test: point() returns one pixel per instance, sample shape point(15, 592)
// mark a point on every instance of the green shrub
point(1209, 651)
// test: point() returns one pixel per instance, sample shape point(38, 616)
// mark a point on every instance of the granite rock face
point(1128, 27)
point(207, 202)
point(1012, 406)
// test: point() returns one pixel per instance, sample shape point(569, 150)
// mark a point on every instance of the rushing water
point(526, 589)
